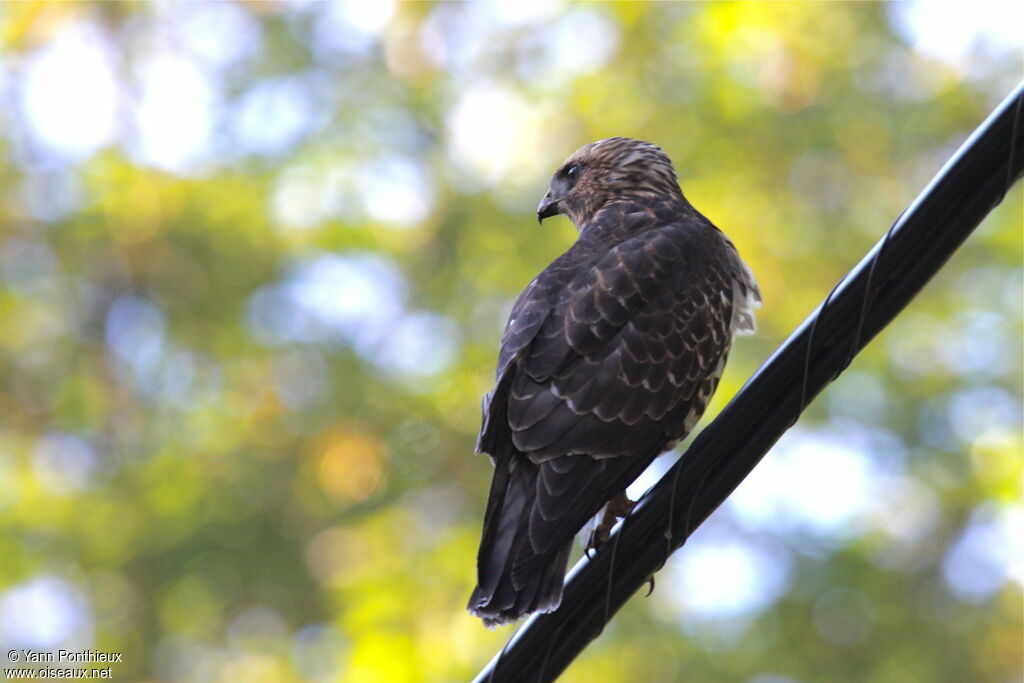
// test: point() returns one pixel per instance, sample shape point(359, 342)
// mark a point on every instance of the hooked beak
point(548, 207)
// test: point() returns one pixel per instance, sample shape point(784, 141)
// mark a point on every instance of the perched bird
point(609, 358)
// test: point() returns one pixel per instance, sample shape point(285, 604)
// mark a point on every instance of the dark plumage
point(609, 358)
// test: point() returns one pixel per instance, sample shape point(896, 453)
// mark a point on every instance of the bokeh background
point(255, 259)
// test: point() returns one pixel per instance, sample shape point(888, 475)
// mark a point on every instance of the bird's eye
point(573, 173)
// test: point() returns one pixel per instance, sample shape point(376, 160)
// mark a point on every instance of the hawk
point(609, 358)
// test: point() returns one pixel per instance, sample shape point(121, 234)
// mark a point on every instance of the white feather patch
point(746, 298)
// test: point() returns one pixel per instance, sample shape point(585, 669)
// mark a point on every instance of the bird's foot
point(617, 508)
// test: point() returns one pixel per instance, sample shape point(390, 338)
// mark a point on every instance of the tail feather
point(526, 540)
point(501, 528)
point(513, 579)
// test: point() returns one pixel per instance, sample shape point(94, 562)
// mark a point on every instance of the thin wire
point(810, 341)
point(611, 574)
point(693, 501)
point(671, 514)
point(547, 654)
point(669, 535)
point(867, 293)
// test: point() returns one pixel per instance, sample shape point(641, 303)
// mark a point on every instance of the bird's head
point(606, 171)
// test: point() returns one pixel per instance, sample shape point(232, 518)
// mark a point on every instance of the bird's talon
point(592, 545)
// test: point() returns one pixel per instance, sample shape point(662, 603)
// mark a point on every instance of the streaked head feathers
point(606, 171)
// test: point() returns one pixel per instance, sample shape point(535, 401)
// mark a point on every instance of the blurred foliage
point(255, 262)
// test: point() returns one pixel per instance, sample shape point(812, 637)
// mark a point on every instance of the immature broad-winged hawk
point(609, 358)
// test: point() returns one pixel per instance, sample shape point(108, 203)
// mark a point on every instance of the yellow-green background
point(253, 275)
